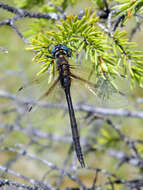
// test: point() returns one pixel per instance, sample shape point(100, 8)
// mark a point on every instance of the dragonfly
point(60, 53)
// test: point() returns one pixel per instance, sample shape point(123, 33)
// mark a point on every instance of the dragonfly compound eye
point(64, 47)
point(66, 50)
point(53, 51)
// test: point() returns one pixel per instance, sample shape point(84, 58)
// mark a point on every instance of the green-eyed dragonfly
point(60, 53)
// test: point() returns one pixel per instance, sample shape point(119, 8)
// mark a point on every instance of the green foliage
point(131, 59)
point(129, 8)
point(109, 56)
point(39, 26)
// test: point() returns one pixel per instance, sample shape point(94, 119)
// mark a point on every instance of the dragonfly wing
point(34, 81)
point(83, 80)
point(47, 93)
point(103, 93)
point(34, 90)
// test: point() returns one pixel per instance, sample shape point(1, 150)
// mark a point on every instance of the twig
point(3, 50)
point(45, 162)
point(6, 182)
point(32, 181)
point(21, 13)
point(85, 108)
point(33, 132)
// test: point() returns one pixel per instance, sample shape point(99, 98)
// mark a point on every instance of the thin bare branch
point(85, 108)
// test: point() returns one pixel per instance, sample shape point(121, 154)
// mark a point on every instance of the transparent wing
point(104, 93)
point(36, 90)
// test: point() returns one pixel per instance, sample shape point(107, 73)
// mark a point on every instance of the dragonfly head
point(61, 50)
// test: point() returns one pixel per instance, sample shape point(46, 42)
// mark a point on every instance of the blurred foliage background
point(16, 69)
